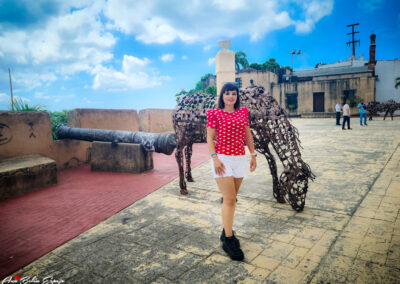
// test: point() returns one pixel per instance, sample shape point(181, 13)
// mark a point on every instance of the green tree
point(241, 60)
point(271, 65)
point(256, 66)
point(199, 86)
point(211, 90)
point(397, 84)
point(205, 76)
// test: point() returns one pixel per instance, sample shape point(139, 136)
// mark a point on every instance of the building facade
point(387, 71)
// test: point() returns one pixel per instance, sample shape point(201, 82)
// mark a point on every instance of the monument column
point(225, 65)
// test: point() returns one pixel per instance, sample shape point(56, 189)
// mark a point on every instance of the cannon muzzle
point(152, 142)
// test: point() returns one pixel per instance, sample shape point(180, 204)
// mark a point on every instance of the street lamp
point(294, 52)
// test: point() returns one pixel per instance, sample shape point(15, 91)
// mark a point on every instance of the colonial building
point(387, 71)
point(315, 92)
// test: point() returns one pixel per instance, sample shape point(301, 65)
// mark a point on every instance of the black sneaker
point(229, 245)
point(222, 238)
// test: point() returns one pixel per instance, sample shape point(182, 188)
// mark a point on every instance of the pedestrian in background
point(346, 116)
point(363, 113)
point(338, 110)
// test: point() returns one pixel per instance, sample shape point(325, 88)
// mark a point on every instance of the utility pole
point(12, 98)
point(353, 42)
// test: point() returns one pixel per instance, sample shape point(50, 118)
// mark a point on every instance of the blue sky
point(138, 54)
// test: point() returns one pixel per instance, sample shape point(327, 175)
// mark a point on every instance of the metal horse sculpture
point(270, 127)
point(388, 107)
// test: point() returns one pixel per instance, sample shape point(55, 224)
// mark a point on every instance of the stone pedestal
point(22, 174)
point(225, 65)
point(122, 158)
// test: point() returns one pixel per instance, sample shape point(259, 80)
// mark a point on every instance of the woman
point(229, 124)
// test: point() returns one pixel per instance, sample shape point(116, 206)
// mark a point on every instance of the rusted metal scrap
point(388, 107)
point(271, 128)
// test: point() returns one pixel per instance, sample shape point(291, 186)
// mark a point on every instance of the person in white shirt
point(338, 107)
point(346, 116)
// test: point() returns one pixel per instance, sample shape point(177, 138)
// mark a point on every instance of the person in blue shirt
point(363, 113)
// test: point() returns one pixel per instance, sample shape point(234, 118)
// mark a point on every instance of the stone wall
point(114, 119)
point(156, 120)
point(259, 77)
point(332, 88)
point(23, 133)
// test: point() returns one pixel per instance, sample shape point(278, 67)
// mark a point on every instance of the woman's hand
point(219, 167)
point(253, 164)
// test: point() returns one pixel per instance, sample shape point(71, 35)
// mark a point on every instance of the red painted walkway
point(36, 223)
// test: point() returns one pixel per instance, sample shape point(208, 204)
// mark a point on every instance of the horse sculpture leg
point(277, 190)
point(188, 156)
point(386, 113)
point(179, 160)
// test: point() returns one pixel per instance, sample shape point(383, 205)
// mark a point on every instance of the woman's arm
point(218, 165)
point(250, 145)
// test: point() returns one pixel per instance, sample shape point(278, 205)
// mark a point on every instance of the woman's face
point(230, 98)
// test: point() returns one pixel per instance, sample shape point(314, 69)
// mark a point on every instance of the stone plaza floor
point(349, 231)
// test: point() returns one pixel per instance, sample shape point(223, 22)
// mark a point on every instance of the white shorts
point(234, 166)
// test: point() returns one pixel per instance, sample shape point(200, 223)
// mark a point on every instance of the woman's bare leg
point(228, 189)
point(238, 182)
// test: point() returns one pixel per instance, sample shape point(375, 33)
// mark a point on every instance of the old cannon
point(152, 142)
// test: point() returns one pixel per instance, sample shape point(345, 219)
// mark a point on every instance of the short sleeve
point(212, 121)
point(246, 116)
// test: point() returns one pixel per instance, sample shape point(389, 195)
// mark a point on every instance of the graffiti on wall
point(5, 134)
point(32, 135)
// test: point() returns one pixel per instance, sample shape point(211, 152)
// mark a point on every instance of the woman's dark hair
point(225, 88)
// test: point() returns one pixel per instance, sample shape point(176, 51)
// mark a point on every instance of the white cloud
point(135, 74)
point(40, 95)
point(184, 57)
point(208, 47)
point(159, 21)
point(4, 97)
point(211, 61)
point(65, 44)
point(314, 11)
point(167, 57)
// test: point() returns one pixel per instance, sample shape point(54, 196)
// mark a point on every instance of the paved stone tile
point(266, 262)
point(334, 269)
point(349, 231)
point(367, 272)
point(277, 250)
point(294, 258)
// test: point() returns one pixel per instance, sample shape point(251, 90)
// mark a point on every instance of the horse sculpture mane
point(270, 126)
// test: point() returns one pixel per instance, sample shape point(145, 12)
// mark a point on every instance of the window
point(348, 95)
point(291, 101)
point(239, 82)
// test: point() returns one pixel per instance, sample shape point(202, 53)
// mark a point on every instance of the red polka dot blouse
point(230, 130)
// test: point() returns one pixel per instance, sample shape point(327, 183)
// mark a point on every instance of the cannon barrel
point(152, 142)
